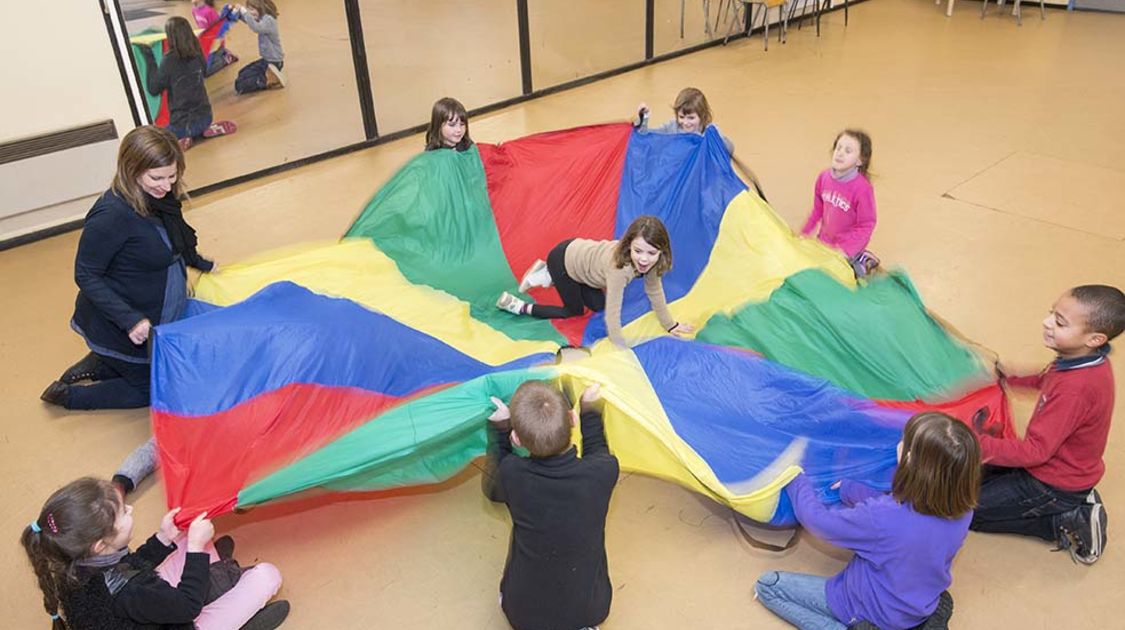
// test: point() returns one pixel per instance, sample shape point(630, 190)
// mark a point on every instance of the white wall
point(59, 74)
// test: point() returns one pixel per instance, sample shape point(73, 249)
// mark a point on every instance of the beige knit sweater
point(591, 263)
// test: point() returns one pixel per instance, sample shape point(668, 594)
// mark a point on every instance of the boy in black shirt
point(556, 576)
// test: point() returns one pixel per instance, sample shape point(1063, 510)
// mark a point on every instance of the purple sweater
point(845, 210)
point(902, 558)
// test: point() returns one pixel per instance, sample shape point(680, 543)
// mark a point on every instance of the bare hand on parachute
point(501, 414)
point(168, 531)
point(642, 115)
point(138, 334)
point(200, 532)
point(682, 329)
point(591, 398)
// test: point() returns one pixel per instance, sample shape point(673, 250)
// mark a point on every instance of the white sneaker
point(510, 303)
point(277, 80)
point(536, 276)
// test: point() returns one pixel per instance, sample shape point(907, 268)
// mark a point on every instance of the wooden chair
point(818, 6)
point(745, 8)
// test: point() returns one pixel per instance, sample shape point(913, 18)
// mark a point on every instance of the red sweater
point(1067, 433)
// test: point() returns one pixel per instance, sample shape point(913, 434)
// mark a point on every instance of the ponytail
point(74, 518)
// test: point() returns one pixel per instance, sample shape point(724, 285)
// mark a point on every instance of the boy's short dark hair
point(1105, 307)
point(540, 418)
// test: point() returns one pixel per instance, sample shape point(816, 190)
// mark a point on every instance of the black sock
point(123, 482)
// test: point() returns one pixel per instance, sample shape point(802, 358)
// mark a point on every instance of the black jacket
point(556, 576)
point(121, 270)
point(131, 596)
point(183, 79)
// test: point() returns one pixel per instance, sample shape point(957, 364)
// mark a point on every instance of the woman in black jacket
point(131, 274)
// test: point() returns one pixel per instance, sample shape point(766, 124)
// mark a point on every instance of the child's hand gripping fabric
point(501, 414)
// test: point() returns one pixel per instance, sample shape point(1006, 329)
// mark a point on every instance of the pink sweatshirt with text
point(845, 210)
point(204, 16)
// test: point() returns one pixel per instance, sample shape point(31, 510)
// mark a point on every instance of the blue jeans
point(121, 385)
point(1013, 502)
point(797, 598)
point(193, 128)
point(217, 61)
point(252, 76)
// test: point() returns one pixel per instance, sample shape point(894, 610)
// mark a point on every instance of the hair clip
point(51, 523)
point(35, 526)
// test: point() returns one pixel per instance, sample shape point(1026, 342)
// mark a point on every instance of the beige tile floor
point(946, 100)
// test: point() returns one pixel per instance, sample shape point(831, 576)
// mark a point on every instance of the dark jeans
point(217, 61)
point(120, 385)
point(576, 297)
point(252, 76)
point(1014, 502)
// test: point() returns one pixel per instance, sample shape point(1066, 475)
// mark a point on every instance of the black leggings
point(576, 297)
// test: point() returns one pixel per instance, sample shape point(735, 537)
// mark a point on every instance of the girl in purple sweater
point(844, 201)
point(904, 542)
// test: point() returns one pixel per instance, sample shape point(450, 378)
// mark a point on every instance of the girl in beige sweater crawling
point(593, 274)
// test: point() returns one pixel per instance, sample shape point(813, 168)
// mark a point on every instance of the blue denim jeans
point(1013, 502)
point(217, 61)
point(252, 77)
point(193, 128)
point(797, 598)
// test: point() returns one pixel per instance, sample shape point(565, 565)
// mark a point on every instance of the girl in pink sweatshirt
point(205, 17)
point(844, 201)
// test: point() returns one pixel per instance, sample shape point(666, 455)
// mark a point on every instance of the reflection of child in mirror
point(449, 126)
point(264, 73)
point(205, 17)
point(181, 74)
point(693, 115)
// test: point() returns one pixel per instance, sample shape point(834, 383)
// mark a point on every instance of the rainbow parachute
point(368, 363)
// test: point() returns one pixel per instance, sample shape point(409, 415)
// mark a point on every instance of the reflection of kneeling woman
point(131, 276)
point(594, 274)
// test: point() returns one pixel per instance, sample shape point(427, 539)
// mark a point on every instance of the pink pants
point(256, 586)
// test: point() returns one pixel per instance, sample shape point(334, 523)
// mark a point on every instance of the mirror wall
point(572, 39)
point(418, 52)
point(316, 111)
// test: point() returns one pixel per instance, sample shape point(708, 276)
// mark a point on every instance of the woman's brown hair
point(446, 109)
point(692, 101)
point(652, 230)
point(864, 141)
point(72, 520)
point(263, 7)
point(182, 41)
point(939, 473)
point(142, 149)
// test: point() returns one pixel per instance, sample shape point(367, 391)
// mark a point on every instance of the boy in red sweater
point(1043, 485)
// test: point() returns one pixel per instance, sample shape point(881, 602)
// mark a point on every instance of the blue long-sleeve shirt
point(902, 558)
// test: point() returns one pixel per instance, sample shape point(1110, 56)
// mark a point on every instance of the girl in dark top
point(78, 548)
point(181, 73)
point(449, 126)
point(130, 271)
